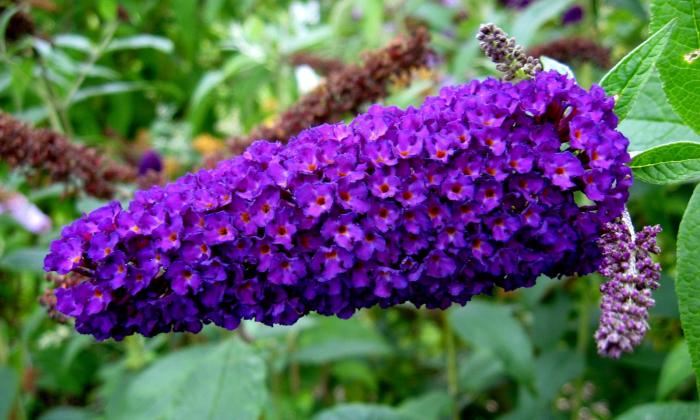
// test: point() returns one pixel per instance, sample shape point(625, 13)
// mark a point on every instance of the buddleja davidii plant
point(474, 189)
point(626, 263)
point(670, 54)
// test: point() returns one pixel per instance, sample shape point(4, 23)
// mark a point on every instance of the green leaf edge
point(687, 253)
point(662, 35)
point(636, 165)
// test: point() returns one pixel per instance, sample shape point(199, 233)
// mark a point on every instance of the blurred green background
point(181, 76)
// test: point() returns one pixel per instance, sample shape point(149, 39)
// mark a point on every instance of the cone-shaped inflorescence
point(627, 294)
point(480, 186)
point(574, 50)
point(49, 152)
point(509, 57)
point(344, 92)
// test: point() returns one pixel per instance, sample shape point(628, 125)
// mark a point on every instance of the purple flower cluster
point(487, 184)
point(632, 276)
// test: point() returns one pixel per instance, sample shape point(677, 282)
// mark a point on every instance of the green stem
point(595, 10)
point(57, 115)
point(582, 340)
point(451, 364)
point(95, 55)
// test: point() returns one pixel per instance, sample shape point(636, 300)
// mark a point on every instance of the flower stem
point(451, 364)
point(582, 340)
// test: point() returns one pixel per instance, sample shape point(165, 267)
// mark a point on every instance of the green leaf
point(662, 411)
point(372, 21)
point(141, 41)
point(433, 405)
point(530, 20)
point(31, 259)
point(668, 164)
point(214, 78)
point(436, 15)
point(9, 386)
point(360, 411)
point(676, 370)
point(332, 339)
point(679, 74)
point(688, 280)
point(475, 322)
point(554, 369)
point(67, 413)
point(5, 17)
point(550, 321)
point(107, 9)
point(652, 122)
point(112, 88)
point(74, 42)
point(206, 381)
point(630, 74)
point(559, 67)
point(634, 6)
point(479, 371)
point(86, 204)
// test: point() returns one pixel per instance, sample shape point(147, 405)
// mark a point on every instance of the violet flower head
point(150, 161)
point(632, 276)
point(573, 15)
point(474, 189)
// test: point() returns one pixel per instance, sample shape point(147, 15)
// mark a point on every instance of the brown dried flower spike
point(347, 90)
point(46, 151)
point(320, 64)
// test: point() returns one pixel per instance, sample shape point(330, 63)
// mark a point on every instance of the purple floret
point(479, 187)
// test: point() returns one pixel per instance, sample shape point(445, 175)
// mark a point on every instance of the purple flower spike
point(632, 276)
point(432, 205)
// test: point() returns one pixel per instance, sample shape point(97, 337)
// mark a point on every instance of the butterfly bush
point(627, 293)
point(487, 184)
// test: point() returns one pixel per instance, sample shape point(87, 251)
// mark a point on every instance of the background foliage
point(180, 77)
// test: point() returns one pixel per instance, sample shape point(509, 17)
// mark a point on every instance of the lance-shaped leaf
point(688, 281)
point(629, 76)
point(651, 120)
point(668, 164)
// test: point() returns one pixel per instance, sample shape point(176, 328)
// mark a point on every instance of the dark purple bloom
point(384, 185)
point(573, 15)
point(315, 199)
point(438, 264)
point(562, 168)
point(183, 278)
point(342, 230)
point(476, 188)
point(150, 161)
point(286, 270)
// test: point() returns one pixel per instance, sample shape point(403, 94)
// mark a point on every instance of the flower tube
point(488, 184)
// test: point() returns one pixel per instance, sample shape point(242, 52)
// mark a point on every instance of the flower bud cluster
point(510, 58)
point(632, 276)
point(52, 153)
